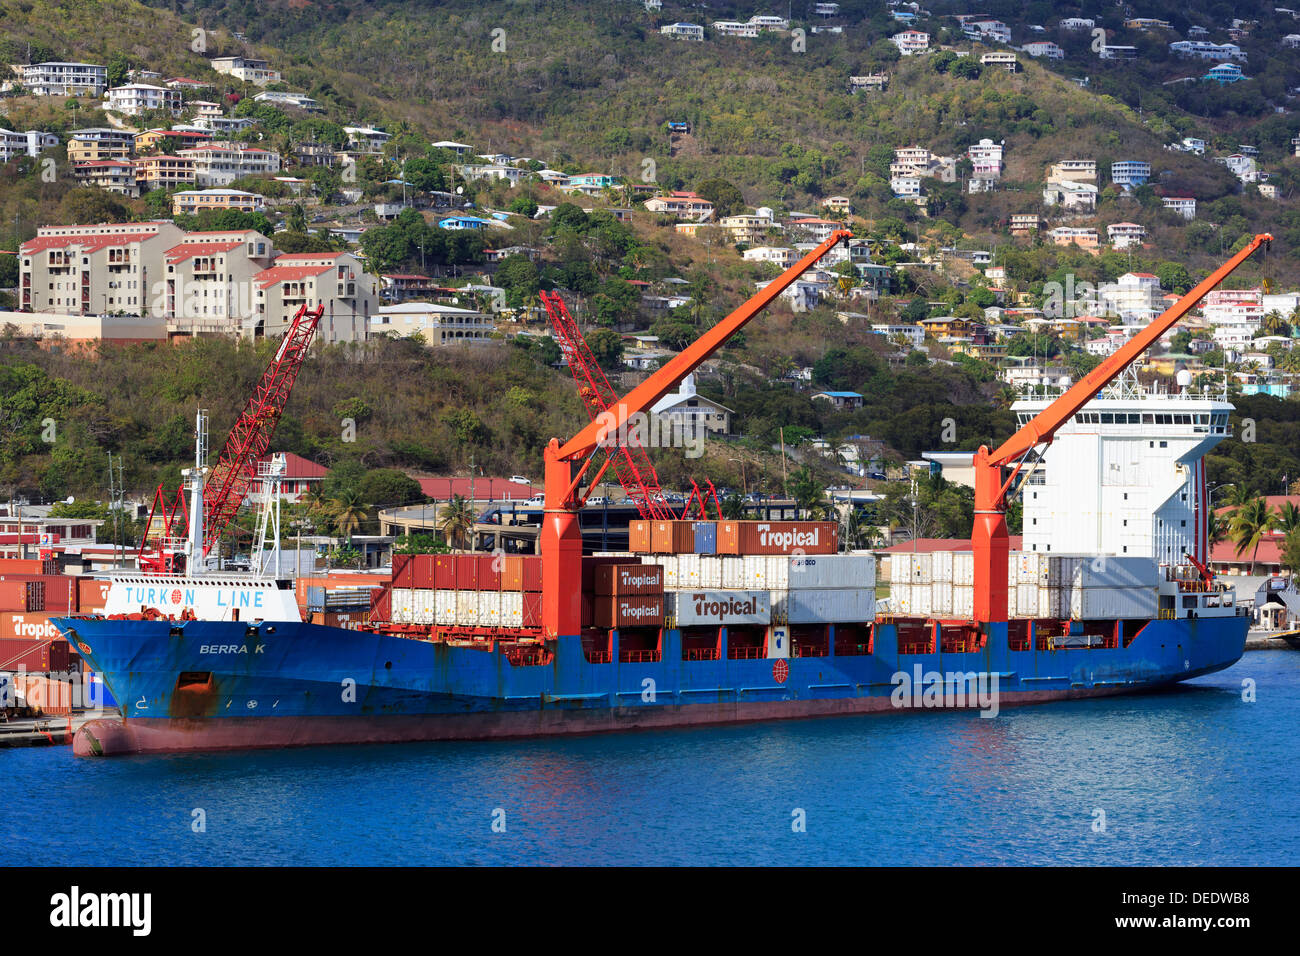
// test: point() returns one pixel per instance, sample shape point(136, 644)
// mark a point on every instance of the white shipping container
point(941, 597)
point(426, 604)
point(512, 609)
point(856, 570)
point(711, 572)
point(833, 605)
point(688, 571)
point(920, 601)
point(1027, 600)
point(1112, 571)
point(467, 608)
point(1011, 601)
point(900, 568)
point(733, 573)
point(963, 568)
point(921, 569)
point(780, 602)
point(671, 579)
point(778, 572)
point(703, 608)
point(445, 607)
point(489, 608)
point(402, 606)
point(963, 602)
point(900, 598)
point(1103, 603)
point(941, 567)
point(755, 572)
point(1031, 568)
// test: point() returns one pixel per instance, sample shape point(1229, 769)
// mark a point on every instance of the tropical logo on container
point(707, 605)
point(958, 689)
point(40, 629)
point(639, 579)
point(788, 538)
point(635, 612)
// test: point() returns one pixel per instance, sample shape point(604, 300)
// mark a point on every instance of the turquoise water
point(1193, 776)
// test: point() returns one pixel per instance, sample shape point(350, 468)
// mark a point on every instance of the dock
point(42, 731)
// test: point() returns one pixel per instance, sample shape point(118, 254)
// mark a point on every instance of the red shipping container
point(625, 579)
point(402, 570)
point(532, 572)
point(25, 654)
point(92, 595)
point(636, 610)
point(638, 537)
point(381, 605)
point(532, 609)
point(512, 572)
point(27, 626)
point(490, 567)
point(424, 571)
point(778, 537)
point(445, 571)
point(27, 566)
point(22, 596)
point(672, 537)
point(589, 565)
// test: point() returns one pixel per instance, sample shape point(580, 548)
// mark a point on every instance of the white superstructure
point(1126, 476)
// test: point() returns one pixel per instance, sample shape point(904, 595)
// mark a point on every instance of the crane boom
point(989, 534)
point(250, 437)
point(561, 540)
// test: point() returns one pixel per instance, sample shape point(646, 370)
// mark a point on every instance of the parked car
point(597, 500)
point(521, 480)
point(878, 476)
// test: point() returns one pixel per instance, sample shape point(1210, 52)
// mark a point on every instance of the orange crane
point(989, 535)
point(566, 465)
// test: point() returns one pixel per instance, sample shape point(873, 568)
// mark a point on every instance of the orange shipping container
point(92, 594)
point(28, 566)
point(638, 537)
point(778, 537)
point(636, 610)
point(672, 537)
point(625, 579)
point(29, 626)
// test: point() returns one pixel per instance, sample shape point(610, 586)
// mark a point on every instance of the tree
point(1249, 524)
point(607, 346)
point(118, 67)
point(733, 507)
point(388, 486)
point(726, 198)
point(296, 220)
point(94, 205)
point(1291, 552)
point(518, 275)
point(1174, 277)
point(806, 490)
point(352, 511)
point(456, 521)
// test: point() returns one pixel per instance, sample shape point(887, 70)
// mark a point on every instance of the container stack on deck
point(466, 590)
point(35, 660)
point(940, 584)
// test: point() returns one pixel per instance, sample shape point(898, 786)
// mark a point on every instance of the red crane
point(989, 535)
point(249, 440)
point(561, 538)
point(630, 462)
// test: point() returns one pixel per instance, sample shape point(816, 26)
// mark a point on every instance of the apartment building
point(437, 325)
point(1071, 196)
point(1129, 173)
point(871, 82)
point(748, 228)
point(223, 125)
point(1205, 50)
point(96, 144)
point(986, 159)
point(911, 42)
point(220, 163)
point(244, 68)
point(209, 282)
point(780, 255)
point(65, 79)
point(164, 172)
point(336, 280)
point(1025, 224)
point(189, 202)
point(1044, 48)
point(1185, 206)
point(31, 143)
point(93, 270)
point(683, 31)
point(300, 100)
point(135, 99)
point(1084, 238)
point(1125, 235)
point(169, 140)
point(1133, 294)
point(683, 205)
point(1001, 59)
point(367, 138)
point(113, 175)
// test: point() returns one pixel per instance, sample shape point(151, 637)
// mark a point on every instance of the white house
point(683, 31)
point(135, 98)
point(911, 42)
point(65, 79)
point(1185, 206)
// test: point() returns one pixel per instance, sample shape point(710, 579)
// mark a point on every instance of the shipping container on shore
point(92, 594)
point(37, 566)
point(718, 608)
point(27, 626)
point(637, 610)
point(35, 655)
point(638, 536)
point(778, 537)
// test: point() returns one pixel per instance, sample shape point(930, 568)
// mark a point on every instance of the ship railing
point(744, 653)
point(637, 656)
point(700, 654)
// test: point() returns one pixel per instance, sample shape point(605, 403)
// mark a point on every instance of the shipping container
point(315, 597)
point(467, 608)
point(706, 537)
point(638, 537)
point(941, 567)
point(688, 571)
point(532, 609)
point(401, 570)
point(381, 604)
point(26, 654)
point(36, 566)
point(512, 609)
point(963, 602)
point(777, 576)
point(733, 573)
point(963, 568)
point(22, 596)
point(445, 571)
point(1032, 568)
point(941, 597)
point(1090, 604)
point(920, 603)
point(778, 537)
point(1111, 571)
point(445, 606)
point(672, 537)
point(92, 594)
point(703, 608)
point(532, 572)
point(489, 608)
point(27, 625)
point(591, 562)
point(755, 571)
point(619, 579)
point(900, 599)
point(711, 572)
point(855, 570)
point(638, 610)
point(830, 605)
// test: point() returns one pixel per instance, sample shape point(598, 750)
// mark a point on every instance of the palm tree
point(1250, 523)
point(806, 490)
point(733, 507)
point(1216, 528)
point(1239, 495)
point(1287, 518)
point(457, 521)
point(352, 511)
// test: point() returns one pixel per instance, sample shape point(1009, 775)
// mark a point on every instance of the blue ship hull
point(212, 685)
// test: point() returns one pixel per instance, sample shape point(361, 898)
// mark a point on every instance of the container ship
point(715, 621)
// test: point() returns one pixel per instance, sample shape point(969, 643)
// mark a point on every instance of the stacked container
point(628, 595)
point(778, 537)
point(467, 590)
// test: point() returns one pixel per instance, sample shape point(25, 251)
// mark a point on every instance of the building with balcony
point(335, 280)
point(135, 99)
point(163, 172)
point(65, 79)
point(189, 202)
point(1185, 206)
point(113, 175)
point(220, 163)
point(683, 31)
point(437, 325)
point(31, 143)
point(1129, 173)
point(911, 42)
point(245, 68)
point(1125, 235)
point(209, 282)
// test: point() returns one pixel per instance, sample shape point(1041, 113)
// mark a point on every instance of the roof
point(188, 250)
point(1270, 552)
point(298, 467)
point(1274, 502)
point(929, 545)
point(481, 489)
point(271, 276)
point(295, 256)
point(840, 394)
point(90, 243)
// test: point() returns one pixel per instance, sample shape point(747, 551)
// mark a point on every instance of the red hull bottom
point(108, 737)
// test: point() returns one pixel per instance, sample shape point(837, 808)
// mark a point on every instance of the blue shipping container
point(706, 537)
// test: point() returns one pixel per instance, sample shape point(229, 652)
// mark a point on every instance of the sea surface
point(1193, 776)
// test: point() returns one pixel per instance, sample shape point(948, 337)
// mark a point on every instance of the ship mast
point(196, 476)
